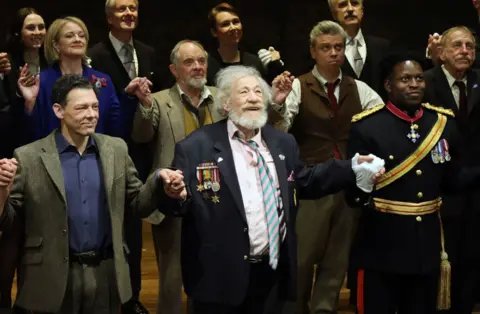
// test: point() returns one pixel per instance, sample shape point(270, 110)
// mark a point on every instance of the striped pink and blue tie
point(270, 201)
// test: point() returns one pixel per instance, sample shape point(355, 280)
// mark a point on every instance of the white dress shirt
point(350, 48)
point(368, 97)
point(455, 90)
point(244, 158)
point(118, 46)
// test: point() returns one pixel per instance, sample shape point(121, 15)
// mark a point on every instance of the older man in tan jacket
point(169, 118)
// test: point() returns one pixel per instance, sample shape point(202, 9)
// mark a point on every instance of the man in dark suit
point(127, 60)
point(75, 255)
point(363, 52)
point(244, 180)
point(454, 84)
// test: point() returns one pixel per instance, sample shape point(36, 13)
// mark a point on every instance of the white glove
point(266, 56)
point(366, 171)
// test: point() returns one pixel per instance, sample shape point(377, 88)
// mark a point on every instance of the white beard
point(248, 123)
point(197, 83)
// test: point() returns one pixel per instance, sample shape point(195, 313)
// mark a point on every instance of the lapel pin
point(281, 156)
point(475, 85)
point(220, 159)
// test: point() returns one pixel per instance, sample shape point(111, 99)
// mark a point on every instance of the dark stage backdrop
point(280, 23)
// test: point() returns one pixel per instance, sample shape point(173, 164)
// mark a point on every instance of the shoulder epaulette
point(365, 113)
point(444, 111)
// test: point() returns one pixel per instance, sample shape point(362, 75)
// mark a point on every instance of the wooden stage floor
point(150, 277)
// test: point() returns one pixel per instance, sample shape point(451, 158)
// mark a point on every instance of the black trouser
point(140, 155)
point(465, 283)
point(262, 295)
point(385, 293)
point(11, 244)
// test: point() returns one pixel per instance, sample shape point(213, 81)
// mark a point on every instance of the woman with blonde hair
point(65, 50)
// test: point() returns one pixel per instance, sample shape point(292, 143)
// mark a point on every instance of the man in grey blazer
point(70, 191)
point(170, 116)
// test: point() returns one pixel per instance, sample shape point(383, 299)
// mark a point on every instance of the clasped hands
point(173, 183)
point(8, 169)
point(367, 170)
point(140, 87)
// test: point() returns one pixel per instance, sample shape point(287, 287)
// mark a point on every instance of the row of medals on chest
point(437, 156)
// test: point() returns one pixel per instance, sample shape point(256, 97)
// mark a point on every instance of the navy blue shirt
point(88, 217)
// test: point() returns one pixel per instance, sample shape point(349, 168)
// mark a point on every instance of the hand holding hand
point(367, 170)
point(173, 183)
point(140, 87)
point(433, 46)
point(8, 169)
point(281, 87)
point(5, 65)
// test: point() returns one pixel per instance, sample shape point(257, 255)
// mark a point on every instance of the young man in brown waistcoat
point(318, 107)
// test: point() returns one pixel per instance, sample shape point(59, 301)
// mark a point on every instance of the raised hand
point(433, 46)
point(281, 87)
point(5, 65)
point(140, 87)
point(28, 90)
point(173, 183)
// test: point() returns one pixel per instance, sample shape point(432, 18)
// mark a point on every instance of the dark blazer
point(464, 233)
point(215, 241)
point(377, 49)
point(105, 59)
point(39, 185)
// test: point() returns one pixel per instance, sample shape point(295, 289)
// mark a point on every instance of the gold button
point(420, 194)
point(391, 157)
point(245, 257)
point(419, 172)
point(419, 219)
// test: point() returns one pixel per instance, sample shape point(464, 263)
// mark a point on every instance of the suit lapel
point(51, 161)
point(107, 160)
point(280, 166)
point(118, 63)
point(444, 91)
point(143, 67)
point(472, 90)
point(176, 115)
point(227, 168)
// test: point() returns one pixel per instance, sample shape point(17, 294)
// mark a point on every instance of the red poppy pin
point(98, 82)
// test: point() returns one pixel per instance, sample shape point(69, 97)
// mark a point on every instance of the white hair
point(225, 79)
point(326, 28)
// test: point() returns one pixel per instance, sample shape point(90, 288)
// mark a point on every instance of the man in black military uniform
point(400, 247)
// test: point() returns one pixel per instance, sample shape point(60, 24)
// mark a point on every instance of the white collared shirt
point(205, 94)
point(350, 48)
point(250, 187)
point(368, 97)
point(118, 46)
point(451, 82)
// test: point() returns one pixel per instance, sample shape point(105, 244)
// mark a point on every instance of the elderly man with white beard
point(244, 180)
point(169, 117)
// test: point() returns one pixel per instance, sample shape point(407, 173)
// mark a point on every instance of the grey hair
point(225, 79)
point(326, 28)
point(110, 5)
point(174, 53)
